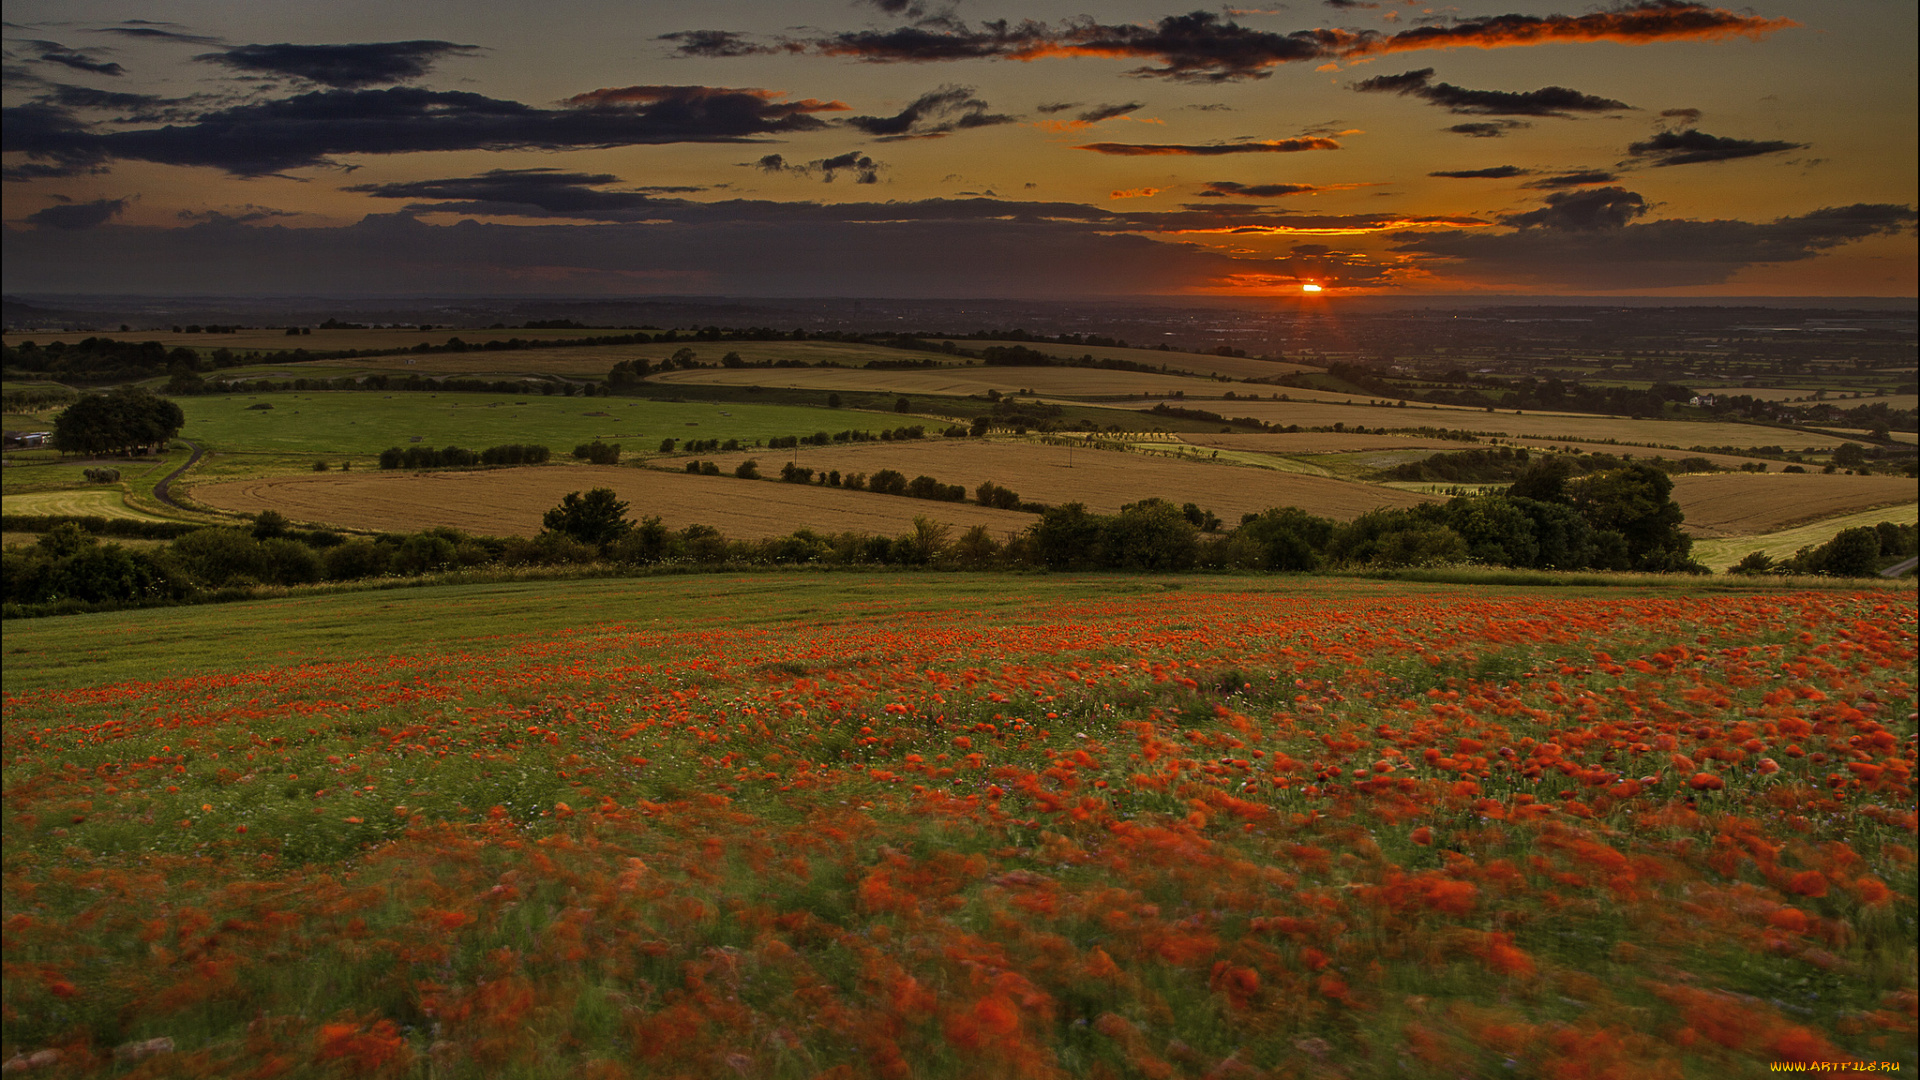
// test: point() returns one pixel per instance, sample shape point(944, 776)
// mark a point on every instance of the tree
point(598, 517)
point(1850, 455)
point(128, 420)
point(1286, 538)
point(1637, 502)
point(1152, 534)
point(1066, 538)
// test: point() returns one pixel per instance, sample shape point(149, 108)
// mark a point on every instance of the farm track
point(163, 490)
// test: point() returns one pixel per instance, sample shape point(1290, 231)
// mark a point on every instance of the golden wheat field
point(1742, 504)
point(1336, 442)
point(510, 502)
point(1104, 480)
point(1538, 425)
point(1047, 382)
point(1232, 367)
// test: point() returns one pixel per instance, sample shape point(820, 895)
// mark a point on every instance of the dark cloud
point(52, 137)
point(1691, 147)
point(1686, 117)
point(158, 31)
point(865, 170)
point(987, 248)
point(1264, 146)
point(85, 215)
point(1057, 107)
point(52, 52)
point(1583, 211)
point(520, 193)
point(1574, 179)
point(1108, 112)
point(1488, 129)
point(1201, 46)
point(1497, 172)
point(1221, 189)
point(711, 44)
point(1548, 101)
point(933, 114)
point(1658, 254)
point(309, 129)
point(244, 215)
point(134, 108)
point(343, 67)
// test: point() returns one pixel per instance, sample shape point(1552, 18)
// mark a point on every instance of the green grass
point(312, 423)
point(1720, 553)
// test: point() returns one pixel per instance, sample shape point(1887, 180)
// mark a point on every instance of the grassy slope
point(1722, 552)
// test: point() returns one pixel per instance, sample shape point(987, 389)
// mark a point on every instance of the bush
point(747, 470)
point(424, 553)
point(355, 559)
point(598, 453)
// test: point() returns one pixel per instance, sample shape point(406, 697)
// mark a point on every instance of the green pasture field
point(358, 423)
point(164, 643)
point(49, 470)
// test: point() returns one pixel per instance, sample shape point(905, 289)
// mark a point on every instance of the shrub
point(747, 470)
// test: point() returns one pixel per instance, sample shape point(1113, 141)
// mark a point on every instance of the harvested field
point(1333, 442)
point(950, 381)
point(510, 502)
point(1104, 480)
point(1537, 425)
point(1743, 504)
point(99, 502)
point(1720, 553)
point(1321, 442)
point(1232, 367)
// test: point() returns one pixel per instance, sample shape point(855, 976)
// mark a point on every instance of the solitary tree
point(598, 517)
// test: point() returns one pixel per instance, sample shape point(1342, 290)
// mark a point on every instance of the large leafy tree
point(1637, 502)
point(127, 420)
point(598, 517)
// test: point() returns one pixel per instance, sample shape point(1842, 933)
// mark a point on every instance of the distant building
point(27, 440)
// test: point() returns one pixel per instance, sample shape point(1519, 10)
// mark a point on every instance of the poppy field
point(963, 827)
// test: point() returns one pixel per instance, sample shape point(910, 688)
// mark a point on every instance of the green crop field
point(367, 422)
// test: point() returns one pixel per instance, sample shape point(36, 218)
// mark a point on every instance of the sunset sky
point(911, 148)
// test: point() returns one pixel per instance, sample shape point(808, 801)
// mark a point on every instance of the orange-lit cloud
point(1263, 146)
point(634, 95)
point(1202, 46)
point(1135, 193)
point(1636, 25)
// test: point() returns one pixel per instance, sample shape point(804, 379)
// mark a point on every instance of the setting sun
point(1309, 287)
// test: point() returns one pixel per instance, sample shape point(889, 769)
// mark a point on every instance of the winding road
point(160, 490)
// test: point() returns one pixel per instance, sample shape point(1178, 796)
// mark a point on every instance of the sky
point(960, 149)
